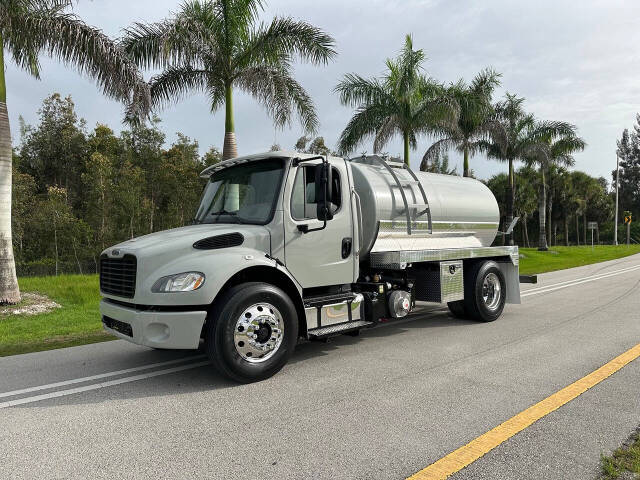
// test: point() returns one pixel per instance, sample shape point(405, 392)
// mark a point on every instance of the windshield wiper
point(219, 213)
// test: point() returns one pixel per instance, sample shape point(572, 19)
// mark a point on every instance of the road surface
point(384, 405)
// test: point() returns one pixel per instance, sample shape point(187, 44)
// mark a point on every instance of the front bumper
point(171, 330)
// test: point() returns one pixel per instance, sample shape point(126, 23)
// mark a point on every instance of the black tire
point(475, 305)
point(221, 325)
point(458, 309)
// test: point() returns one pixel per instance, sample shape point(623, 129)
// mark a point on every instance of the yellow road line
point(472, 451)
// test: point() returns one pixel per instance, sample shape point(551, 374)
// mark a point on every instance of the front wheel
point(251, 332)
point(484, 291)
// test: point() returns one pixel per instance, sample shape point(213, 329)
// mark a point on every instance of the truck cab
point(276, 253)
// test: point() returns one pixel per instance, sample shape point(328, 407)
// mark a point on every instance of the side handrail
point(359, 213)
point(424, 194)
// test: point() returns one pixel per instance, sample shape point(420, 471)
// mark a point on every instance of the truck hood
point(178, 239)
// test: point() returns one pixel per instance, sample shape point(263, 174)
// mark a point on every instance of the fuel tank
point(458, 212)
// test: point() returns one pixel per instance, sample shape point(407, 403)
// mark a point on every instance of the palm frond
point(286, 37)
point(435, 150)
point(485, 82)
point(364, 123)
point(46, 26)
point(280, 93)
point(175, 82)
point(384, 134)
point(355, 90)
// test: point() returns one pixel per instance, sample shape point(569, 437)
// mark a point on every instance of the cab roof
point(207, 172)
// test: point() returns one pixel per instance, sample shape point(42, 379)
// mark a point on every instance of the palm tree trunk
point(465, 165)
point(230, 148)
point(526, 230)
point(577, 229)
point(405, 137)
point(9, 292)
point(550, 218)
point(566, 229)
point(584, 226)
point(510, 201)
point(542, 207)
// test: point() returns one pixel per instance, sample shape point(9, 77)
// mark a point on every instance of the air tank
point(458, 213)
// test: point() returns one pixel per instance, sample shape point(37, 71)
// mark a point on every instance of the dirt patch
point(31, 304)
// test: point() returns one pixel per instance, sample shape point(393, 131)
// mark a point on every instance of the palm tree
point(214, 46)
point(27, 29)
point(474, 121)
point(511, 140)
point(403, 102)
point(553, 144)
point(525, 199)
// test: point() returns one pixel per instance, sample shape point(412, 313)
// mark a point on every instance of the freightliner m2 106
point(287, 246)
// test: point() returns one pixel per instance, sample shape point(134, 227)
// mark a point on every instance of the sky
point(575, 61)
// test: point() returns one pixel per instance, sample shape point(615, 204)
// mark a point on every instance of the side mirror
point(323, 191)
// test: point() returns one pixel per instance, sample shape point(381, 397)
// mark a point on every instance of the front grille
point(118, 276)
point(118, 326)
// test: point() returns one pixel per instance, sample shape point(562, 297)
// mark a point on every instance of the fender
point(218, 266)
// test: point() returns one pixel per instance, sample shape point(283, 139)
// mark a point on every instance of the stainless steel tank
point(459, 212)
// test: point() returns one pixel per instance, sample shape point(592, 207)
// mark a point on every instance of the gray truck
point(287, 246)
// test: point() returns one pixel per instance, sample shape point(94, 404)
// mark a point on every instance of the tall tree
point(629, 154)
point(31, 27)
point(554, 143)
point(474, 120)
point(214, 46)
point(510, 141)
point(403, 102)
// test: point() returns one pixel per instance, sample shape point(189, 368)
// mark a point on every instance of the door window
point(303, 196)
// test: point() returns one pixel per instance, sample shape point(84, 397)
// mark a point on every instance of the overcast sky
point(577, 61)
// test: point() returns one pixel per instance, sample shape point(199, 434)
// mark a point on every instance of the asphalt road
point(383, 405)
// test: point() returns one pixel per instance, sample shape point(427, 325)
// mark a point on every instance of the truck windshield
point(243, 193)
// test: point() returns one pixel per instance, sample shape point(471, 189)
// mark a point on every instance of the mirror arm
point(305, 228)
point(297, 161)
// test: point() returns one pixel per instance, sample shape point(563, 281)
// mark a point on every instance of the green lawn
point(558, 258)
point(76, 323)
point(624, 462)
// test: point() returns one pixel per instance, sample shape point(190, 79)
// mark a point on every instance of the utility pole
point(615, 229)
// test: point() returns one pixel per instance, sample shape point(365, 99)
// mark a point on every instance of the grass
point(76, 323)
point(558, 258)
point(623, 461)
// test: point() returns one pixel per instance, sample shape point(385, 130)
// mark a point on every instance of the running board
point(340, 328)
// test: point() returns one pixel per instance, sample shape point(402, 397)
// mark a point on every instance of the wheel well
point(275, 277)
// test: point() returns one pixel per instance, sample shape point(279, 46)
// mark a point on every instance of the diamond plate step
point(342, 327)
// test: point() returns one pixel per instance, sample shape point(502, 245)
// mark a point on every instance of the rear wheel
point(251, 332)
point(484, 291)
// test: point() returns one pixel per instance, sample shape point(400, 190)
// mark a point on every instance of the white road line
point(99, 376)
point(134, 378)
point(97, 386)
point(558, 286)
point(599, 275)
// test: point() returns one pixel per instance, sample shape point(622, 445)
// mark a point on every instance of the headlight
point(180, 282)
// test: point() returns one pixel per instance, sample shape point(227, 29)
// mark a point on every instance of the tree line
point(77, 191)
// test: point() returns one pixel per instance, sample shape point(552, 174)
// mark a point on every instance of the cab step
point(337, 329)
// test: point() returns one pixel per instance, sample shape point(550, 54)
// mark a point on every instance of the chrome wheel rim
point(491, 291)
point(258, 333)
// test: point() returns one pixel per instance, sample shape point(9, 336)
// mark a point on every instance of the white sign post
point(592, 226)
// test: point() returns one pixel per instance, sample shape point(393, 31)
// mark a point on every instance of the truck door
point(323, 257)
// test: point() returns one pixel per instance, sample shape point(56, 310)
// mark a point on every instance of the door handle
point(346, 247)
